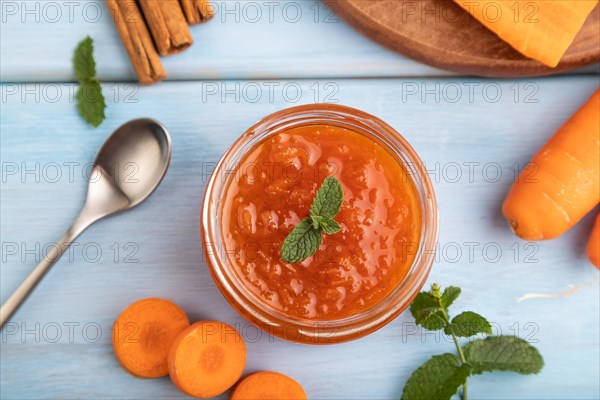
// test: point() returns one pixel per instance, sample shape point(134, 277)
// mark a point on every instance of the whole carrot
point(562, 182)
point(593, 247)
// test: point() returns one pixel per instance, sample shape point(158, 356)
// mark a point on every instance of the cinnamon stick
point(136, 38)
point(197, 11)
point(168, 25)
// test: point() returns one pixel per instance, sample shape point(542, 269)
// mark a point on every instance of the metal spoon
point(141, 147)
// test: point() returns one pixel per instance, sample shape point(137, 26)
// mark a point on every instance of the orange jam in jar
point(265, 185)
point(272, 192)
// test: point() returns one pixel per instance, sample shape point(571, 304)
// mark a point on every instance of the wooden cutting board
point(440, 33)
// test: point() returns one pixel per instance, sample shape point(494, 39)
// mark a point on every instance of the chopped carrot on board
point(542, 30)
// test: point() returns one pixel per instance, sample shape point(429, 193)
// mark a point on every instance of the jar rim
point(310, 330)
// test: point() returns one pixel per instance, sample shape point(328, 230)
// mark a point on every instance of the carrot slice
point(593, 247)
point(143, 334)
point(562, 182)
point(268, 385)
point(542, 30)
point(207, 358)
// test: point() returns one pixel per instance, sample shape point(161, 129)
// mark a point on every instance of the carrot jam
point(272, 191)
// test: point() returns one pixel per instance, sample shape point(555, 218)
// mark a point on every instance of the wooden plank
point(445, 35)
point(245, 40)
point(91, 288)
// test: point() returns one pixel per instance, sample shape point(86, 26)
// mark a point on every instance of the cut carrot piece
point(143, 334)
point(268, 386)
point(542, 30)
point(562, 182)
point(207, 358)
point(593, 247)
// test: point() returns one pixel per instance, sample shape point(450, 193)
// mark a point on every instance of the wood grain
point(441, 34)
point(451, 133)
point(232, 45)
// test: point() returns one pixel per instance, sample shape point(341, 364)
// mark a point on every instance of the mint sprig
point(90, 101)
point(442, 376)
point(306, 237)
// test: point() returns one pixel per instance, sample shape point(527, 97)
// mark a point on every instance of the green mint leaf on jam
point(438, 378)
point(441, 376)
point(468, 324)
point(330, 227)
point(317, 221)
point(503, 353)
point(90, 101)
point(305, 239)
point(328, 200)
point(302, 242)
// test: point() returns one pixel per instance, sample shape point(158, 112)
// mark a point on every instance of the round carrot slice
point(207, 358)
point(143, 334)
point(268, 386)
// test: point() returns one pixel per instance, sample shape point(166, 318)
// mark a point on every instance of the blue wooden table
point(249, 61)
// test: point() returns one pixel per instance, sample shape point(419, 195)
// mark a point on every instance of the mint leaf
point(450, 294)
point(439, 379)
point(305, 239)
point(330, 227)
point(302, 242)
point(83, 60)
point(90, 102)
point(428, 312)
point(503, 353)
point(328, 201)
point(468, 324)
point(317, 220)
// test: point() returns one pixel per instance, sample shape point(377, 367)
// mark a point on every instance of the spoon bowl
point(136, 157)
point(128, 168)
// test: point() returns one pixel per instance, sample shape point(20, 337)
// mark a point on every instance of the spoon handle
point(19, 295)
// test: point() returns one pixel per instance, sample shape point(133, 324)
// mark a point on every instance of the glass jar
point(275, 321)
